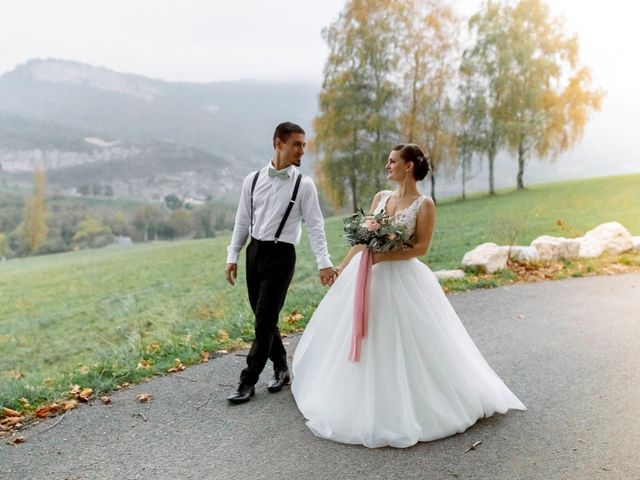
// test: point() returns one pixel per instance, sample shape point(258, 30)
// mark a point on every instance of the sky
point(280, 40)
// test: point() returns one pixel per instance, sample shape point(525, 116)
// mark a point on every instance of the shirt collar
point(290, 169)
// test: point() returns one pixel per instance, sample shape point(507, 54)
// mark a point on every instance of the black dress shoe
point(242, 394)
point(280, 378)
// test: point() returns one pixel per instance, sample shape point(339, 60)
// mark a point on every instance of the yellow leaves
point(293, 317)
point(144, 397)
point(82, 395)
point(152, 348)
point(69, 405)
point(178, 367)
point(14, 374)
point(7, 412)
point(143, 365)
point(17, 440)
point(205, 312)
point(204, 357)
point(11, 419)
point(222, 336)
point(47, 410)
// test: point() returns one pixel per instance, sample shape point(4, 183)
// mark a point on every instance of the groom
point(273, 203)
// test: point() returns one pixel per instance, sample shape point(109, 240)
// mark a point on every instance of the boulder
point(610, 237)
point(523, 253)
point(556, 248)
point(449, 274)
point(636, 243)
point(488, 257)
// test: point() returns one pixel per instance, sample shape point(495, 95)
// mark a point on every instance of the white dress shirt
point(270, 200)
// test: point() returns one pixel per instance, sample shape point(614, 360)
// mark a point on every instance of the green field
point(90, 317)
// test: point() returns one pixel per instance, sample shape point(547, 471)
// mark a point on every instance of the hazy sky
point(212, 40)
point(209, 40)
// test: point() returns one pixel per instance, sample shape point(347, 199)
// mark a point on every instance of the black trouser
point(270, 268)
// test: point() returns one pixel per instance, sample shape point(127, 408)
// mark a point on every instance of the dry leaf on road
point(144, 397)
point(178, 367)
point(7, 412)
point(15, 441)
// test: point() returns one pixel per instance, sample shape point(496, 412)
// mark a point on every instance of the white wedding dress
point(420, 376)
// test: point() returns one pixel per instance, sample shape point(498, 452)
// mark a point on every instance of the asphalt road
point(568, 349)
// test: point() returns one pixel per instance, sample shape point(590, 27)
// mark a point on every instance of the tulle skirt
point(420, 376)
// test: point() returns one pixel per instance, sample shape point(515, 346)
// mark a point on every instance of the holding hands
point(328, 276)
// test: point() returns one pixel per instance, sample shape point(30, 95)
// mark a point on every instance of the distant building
point(193, 201)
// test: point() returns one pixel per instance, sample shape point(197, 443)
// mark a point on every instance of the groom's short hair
point(284, 131)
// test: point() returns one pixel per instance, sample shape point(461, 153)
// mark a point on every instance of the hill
point(185, 138)
point(104, 311)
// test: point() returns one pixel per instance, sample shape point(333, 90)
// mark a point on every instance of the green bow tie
point(281, 174)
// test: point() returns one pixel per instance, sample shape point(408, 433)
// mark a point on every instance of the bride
point(419, 377)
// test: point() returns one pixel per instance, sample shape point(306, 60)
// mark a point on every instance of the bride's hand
point(376, 258)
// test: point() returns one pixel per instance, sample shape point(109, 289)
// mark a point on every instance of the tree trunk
point(520, 166)
point(464, 179)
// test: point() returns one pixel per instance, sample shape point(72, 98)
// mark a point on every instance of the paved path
point(568, 349)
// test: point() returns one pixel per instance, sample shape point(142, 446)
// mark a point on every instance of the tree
point(172, 202)
point(485, 64)
point(429, 44)
point(181, 222)
point(148, 221)
point(34, 227)
point(92, 234)
point(4, 247)
point(357, 101)
point(549, 98)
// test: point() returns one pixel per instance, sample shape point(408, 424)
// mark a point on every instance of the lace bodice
point(406, 216)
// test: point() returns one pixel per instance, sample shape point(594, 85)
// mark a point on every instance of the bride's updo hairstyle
point(410, 152)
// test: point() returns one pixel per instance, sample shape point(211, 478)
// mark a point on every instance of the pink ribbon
point(361, 304)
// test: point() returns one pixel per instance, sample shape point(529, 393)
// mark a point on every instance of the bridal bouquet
point(377, 232)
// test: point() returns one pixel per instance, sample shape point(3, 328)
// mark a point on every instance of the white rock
point(523, 253)
point(636, 243)
point(449, 274)
point(556, 248)
point(489, 257)
point(610, 237)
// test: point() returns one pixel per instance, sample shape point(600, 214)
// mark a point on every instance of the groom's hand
point(231, 272)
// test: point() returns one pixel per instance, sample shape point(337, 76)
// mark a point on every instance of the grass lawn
point(105, 317)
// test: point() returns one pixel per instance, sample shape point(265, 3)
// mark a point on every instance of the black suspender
point(289, 207)
point(253, 187)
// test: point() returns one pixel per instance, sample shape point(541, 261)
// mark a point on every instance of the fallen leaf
point(25, 402)
point(222, 352)
point(105, 399)
point(47, 410)
point(15, 374)
point(143, 365)
point(144, 397)
point(11, 421)
point(204, 357)
point(7, 412)
point(153, 347)
point(69, 405)
point(293, 317)
point(178, 367)
point(222, 336)
point(15, 441)
point(520, 316)
point(81, 394)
